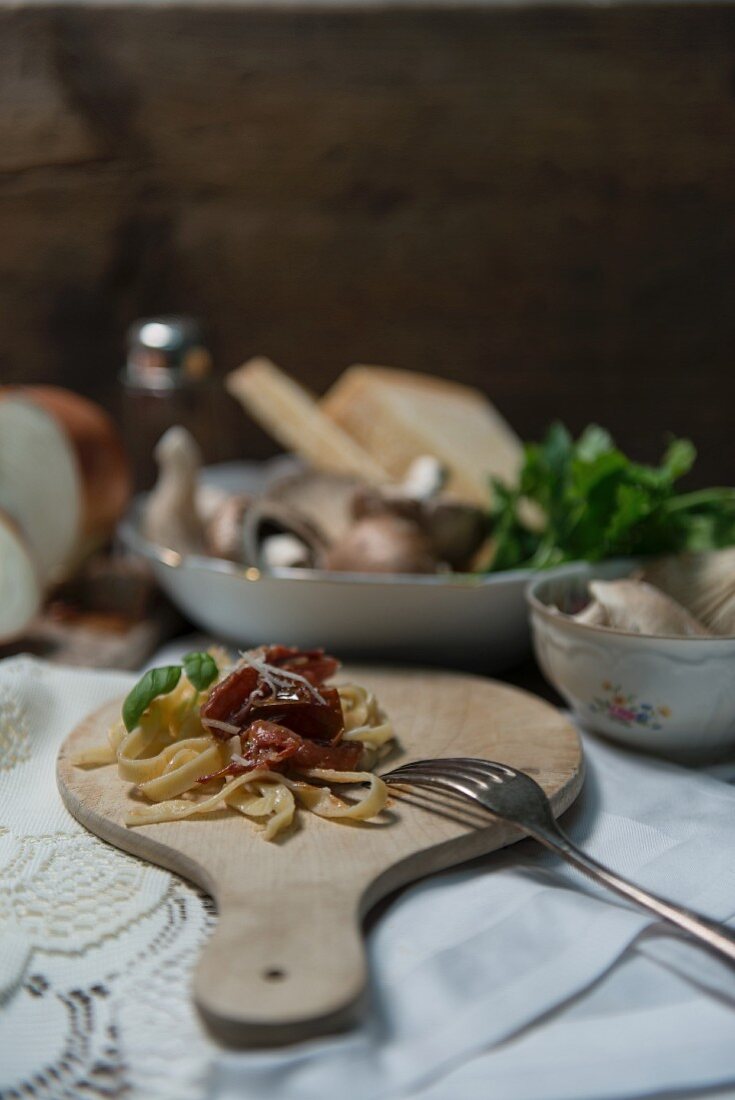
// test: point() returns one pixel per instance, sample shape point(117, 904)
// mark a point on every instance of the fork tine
point(428, 778)
point(445, 768)
point(467, 763)
point(435, 761)
point(487, 770)
point(410, 775)
point(445, 773)
point(453, 781)
point(455, 788)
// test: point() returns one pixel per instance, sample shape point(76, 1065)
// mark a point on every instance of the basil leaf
point(156, 681)
point(201, 669)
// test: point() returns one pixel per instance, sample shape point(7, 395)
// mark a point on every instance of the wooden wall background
point(537, 200)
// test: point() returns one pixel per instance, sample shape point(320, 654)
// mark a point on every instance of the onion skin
point(103, 465)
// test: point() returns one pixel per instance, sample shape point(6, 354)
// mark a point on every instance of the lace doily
point(98, 947)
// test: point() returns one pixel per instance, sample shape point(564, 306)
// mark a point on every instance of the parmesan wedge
point(397, 416)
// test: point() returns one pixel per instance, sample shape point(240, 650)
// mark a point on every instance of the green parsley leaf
point(201, 669)
point(155, 682)
point(679, 458)
point(593, 442)
point(597, 503)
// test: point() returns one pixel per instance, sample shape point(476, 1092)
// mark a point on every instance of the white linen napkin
point(511, 977)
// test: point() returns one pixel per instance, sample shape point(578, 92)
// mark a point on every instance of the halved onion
point(20, 587)
point(64, 476)
point(100, 455)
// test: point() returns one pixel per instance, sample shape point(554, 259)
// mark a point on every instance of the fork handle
point(715, 936)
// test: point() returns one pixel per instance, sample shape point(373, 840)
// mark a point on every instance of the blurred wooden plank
point(536, 200)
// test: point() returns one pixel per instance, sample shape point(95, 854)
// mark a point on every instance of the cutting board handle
point(269, 977)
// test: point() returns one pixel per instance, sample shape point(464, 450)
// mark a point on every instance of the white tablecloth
point(512, 977)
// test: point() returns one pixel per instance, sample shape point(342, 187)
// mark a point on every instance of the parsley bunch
point(589, 501)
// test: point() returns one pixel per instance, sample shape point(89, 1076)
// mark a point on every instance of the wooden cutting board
point(287, 960)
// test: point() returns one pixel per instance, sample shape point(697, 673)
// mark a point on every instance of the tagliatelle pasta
point(266, 736)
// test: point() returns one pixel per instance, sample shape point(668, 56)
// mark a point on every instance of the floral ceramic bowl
point(672, 696)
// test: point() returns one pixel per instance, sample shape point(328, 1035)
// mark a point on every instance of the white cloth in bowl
point(511, 977)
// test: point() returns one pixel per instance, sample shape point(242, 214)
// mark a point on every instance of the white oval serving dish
point(460, 620)
point(670, 695)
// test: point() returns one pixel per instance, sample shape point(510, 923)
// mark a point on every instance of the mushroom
point(424, 478)
point(171, 518)
point(368, 500)
point(455, 530)
point(209, 500)
point(223, 534)
point(324, 500)
point(269, 519)
point(639, 608)
point(704, 583)
point(382, 544)
point(285, 552)
point(594, 614)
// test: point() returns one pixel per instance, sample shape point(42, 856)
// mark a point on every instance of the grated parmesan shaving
point(226, 727)
point(274, 677)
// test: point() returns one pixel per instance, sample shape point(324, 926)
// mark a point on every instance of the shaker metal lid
point(166, 352)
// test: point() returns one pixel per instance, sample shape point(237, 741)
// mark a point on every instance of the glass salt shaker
point(167, 380)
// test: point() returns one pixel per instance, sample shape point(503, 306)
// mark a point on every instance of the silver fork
point(515, 797)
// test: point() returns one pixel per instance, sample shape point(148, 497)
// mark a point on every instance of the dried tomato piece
point(263, 745)
point(300, 712)
point(248, 694)
point(263, 740)
point(321, 754)
point(230, 701)
point(314, 665)
point(273, 746)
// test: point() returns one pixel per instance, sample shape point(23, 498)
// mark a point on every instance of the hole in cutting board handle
point(274, 974)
